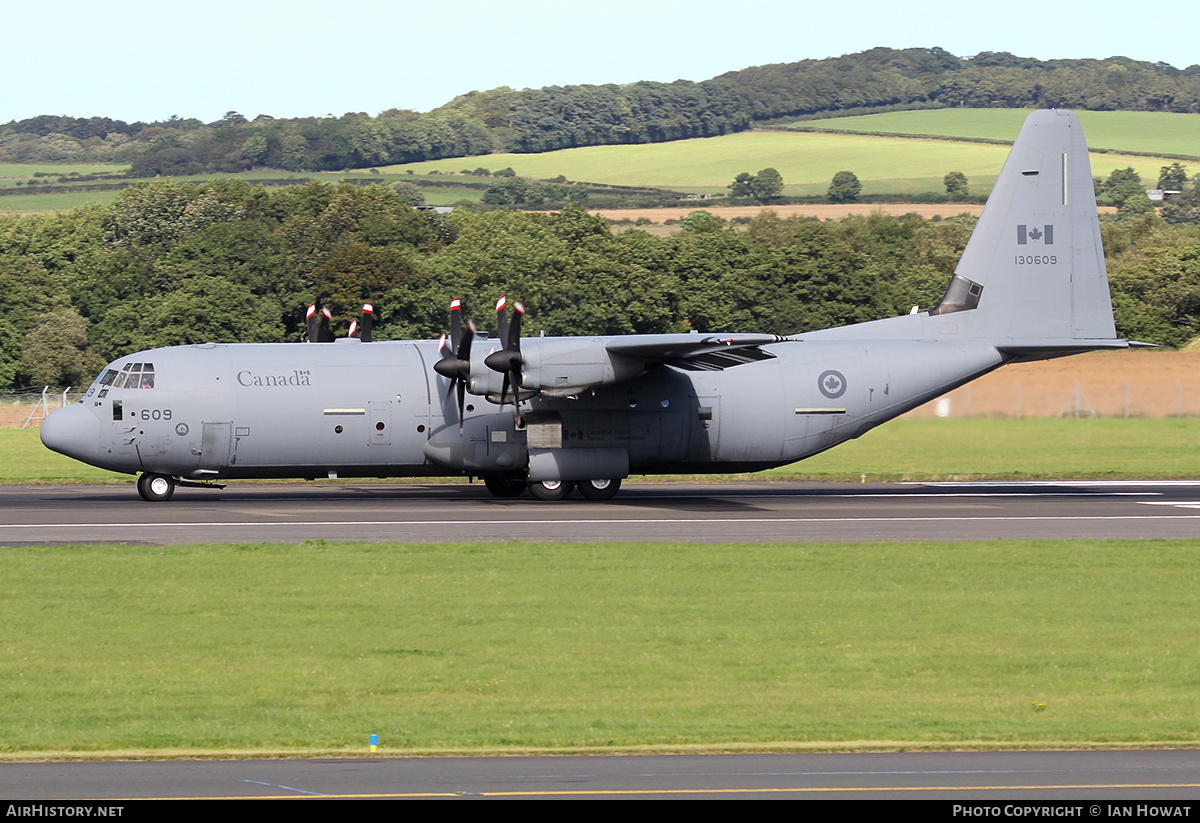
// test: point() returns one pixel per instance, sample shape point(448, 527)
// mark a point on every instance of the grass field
point(12, 172)
point(1132, 131)
point(57, 201)
point(50, 200)
point(265, 649)
point(905, 449)
point(807, 162)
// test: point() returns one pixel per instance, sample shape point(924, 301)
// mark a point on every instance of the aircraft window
point(108, 377)
point(116, 410)
point(135, 376)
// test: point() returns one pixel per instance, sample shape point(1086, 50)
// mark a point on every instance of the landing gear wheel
point(599, 489)
point(155, 488)
point(505, 486)
point(551, 489)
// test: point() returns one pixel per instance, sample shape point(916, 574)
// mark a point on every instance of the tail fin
point(1033, 269)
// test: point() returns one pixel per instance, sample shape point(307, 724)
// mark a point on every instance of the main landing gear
point(505, 486)
point(599, 489)
point(552, 489)
point(155, 488)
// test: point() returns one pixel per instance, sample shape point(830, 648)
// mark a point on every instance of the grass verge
point(256, 650)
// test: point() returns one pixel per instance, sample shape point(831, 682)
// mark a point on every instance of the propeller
point(456, 356)
point(508, 361)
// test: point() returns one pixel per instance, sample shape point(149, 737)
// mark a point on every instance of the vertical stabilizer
point(1034, 267)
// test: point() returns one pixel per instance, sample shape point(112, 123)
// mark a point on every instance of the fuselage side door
point(215, 445)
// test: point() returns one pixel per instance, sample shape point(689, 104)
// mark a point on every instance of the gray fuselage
point(349, 409)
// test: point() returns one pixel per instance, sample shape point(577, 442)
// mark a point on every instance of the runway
point(718, 512)
point(1097, 779)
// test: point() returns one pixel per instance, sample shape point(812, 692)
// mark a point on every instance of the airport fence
point(27, 409)
point(1075, 398)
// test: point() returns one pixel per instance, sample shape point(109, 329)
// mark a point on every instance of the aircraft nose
point(73, 431)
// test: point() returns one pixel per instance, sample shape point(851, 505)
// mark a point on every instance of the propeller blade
point(501, 320)
point(455, 323)
point(368, 322)
point(461, 388)
point(323, 333)
point(310, 323)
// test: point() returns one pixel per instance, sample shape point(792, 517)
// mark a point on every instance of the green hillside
point(806, 159)
point(1142, 132)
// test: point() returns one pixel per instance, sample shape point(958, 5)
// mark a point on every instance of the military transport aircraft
point(551, 414)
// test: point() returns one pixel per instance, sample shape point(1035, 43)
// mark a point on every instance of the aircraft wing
point(695, 352)
point(565, 366)
point(665, 348)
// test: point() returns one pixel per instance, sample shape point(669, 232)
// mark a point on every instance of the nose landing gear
point(155, 488)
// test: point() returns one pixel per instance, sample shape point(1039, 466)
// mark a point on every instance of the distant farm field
point(12, 172)
point(57, 201)
point(807, 162)
point(1145, 132)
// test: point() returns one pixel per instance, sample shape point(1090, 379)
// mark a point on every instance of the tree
point(410, 193)
point(1126, 191)
point(742, 186)
point(956, 184)
point(1122, 181)
point(701, 221)
point(55, 351)
point(768, 184)
point(512, 192)
point(845, 188)
point(1172, 177)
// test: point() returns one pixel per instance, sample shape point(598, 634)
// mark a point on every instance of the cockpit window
point(133, 376)
point(108, 377)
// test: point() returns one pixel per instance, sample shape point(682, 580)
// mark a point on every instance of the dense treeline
point(169, 263)
point(556, 117)
point(889, 77)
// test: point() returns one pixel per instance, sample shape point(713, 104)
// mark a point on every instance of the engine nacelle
point(565, 366)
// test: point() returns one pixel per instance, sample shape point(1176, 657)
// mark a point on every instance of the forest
point(546, 119)
point(170, 263)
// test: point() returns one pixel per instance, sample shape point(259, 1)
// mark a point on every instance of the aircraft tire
point(599, 489)
point(551, 489)
point(505, 486)
point(155, 488)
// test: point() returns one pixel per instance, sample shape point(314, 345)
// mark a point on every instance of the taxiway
point(718, 512)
